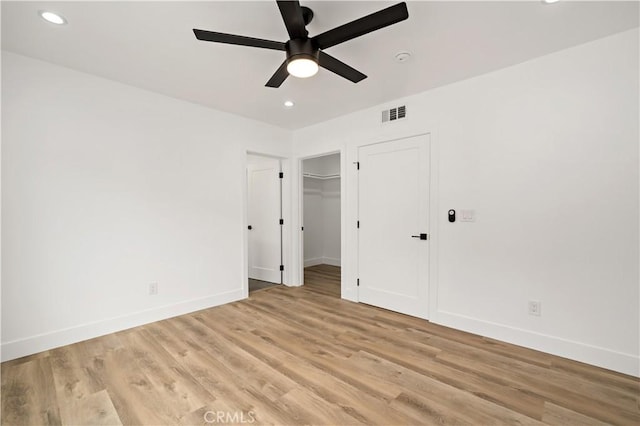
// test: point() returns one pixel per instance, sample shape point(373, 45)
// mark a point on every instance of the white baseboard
point(330, 194)
point(312, 262)
point(321, 261)
point(349, 293)
point(42, 342)
point(331, 261)
point(601, 357)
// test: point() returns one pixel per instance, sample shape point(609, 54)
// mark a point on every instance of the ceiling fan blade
point(279, 76)
point(293, 19)
point(237, 39)
point(340, 68)
point(362, 26)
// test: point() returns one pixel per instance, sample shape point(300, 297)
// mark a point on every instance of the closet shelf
point(322, 177)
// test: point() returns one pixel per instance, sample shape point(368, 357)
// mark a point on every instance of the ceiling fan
point(305, 54)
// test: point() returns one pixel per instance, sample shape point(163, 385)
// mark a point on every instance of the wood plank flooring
point(295, 356)
point(257, 285)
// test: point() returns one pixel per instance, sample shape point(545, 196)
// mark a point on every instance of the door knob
point(421, 236)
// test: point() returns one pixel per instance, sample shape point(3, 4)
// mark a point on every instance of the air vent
point(394, 114)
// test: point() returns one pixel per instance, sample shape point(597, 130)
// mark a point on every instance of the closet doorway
point(321, 223)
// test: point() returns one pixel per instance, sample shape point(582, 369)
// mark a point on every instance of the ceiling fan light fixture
point(302, 67)
point(302, 58)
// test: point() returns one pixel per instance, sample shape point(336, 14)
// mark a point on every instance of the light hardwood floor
point(257, 285)
point(297, 356)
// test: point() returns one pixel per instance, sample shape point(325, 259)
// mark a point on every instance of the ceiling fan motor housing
point(307, 15)
point(301, 49)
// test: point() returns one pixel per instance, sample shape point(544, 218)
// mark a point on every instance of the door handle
point(421, 236)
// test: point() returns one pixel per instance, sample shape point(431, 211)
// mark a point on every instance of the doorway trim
point(434, 212)
point(285, 247)
point(414, 203)
point(300, 232)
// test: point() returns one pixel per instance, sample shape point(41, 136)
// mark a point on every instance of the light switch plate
point(467, 216)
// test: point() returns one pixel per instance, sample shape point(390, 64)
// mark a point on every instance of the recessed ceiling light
point(550, 1)
point(402, 57)
point(288, 104)
point(54, 18)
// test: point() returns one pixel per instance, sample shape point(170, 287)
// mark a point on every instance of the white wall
point(107, 188)
point(331, 221)
point(546, 152)
point(321, 221)
point(313, 222)
point(326, 165)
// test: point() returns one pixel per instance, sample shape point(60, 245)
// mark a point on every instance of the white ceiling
point(151, 45)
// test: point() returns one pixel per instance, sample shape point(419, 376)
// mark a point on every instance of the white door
point(393, 266)
point(264, 220)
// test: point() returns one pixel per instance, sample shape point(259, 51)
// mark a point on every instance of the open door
point(264, 214)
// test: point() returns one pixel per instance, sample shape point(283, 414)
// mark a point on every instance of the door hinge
point(302, 228)
point(358, 282)
point(282, 267)
point(281, 221)
point(358, 224)
point(358, 165)
point(280, 175)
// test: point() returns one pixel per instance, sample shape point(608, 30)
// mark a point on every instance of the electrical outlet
point(153, 289)
point(535, 307)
